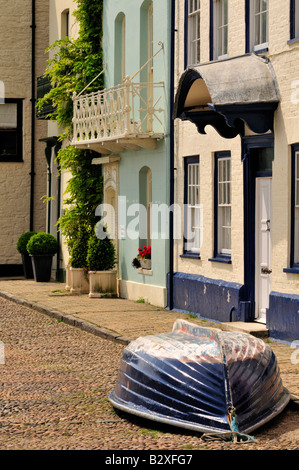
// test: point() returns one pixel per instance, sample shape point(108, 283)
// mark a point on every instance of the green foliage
point(100, 254)
point(79, 247)
point(74, 64)
point(42, 244)
point(22, 242)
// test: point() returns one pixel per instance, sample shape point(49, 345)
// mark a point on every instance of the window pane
point(257, 7)
point(225, 40)
point(221, 27)
point(8, 116)
point(296, 237)
point(264, 27)
point(225, 12)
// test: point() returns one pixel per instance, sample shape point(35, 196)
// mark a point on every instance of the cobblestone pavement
point(54, 390)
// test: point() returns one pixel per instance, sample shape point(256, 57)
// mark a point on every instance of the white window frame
point(220, 29)
point(256, 16)
point(193, 32)
point(193, 216)
point(224, 205)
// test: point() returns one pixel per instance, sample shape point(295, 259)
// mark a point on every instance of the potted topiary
point(101, 260)
point(143, 259)
point(26, 260)
point(42, 247)
point(79, 282)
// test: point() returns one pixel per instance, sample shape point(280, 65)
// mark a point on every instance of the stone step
point(255, 329)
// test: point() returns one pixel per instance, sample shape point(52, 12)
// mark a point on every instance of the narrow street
point(54, 388)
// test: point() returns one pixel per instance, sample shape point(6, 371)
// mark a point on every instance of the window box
point(193, 34)
point(257, 31)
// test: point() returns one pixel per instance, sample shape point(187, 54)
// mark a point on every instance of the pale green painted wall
point(157, 160)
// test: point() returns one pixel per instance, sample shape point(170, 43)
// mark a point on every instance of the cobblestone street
point(54, 395)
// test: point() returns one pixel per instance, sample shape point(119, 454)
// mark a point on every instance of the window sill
point(11, 159)
point(147, 272)
point(221, 259)
point(261, 50)
point(293, 40)
point(294, 270)
point(190, 255)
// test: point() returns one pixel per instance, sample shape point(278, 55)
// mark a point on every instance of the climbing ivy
point(73, 65)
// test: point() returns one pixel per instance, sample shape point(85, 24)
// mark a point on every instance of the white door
point(263, 247)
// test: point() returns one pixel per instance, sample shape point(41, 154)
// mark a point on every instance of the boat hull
point(198, 378)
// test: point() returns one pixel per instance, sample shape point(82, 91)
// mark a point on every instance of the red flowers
point(145, 253)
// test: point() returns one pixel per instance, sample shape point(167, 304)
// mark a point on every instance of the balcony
point(126, 116)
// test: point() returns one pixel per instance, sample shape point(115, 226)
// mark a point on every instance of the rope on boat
point(234, 435)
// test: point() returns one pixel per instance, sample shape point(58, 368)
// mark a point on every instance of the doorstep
point(256, 329)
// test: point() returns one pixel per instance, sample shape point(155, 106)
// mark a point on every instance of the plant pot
point(67, 277)
point(27, 266)
point(146, 263)
point(79, 281)
point(42, 266)
point(102, 283)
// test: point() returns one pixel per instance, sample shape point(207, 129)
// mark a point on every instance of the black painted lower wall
point(222, 301)
point(209, 298)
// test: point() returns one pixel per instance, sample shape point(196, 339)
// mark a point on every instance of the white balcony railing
point(129, 112)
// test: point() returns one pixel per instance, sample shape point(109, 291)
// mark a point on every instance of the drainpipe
point(171, 166)
point(32, 173)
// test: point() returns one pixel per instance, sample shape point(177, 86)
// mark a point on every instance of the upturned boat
point(201, 379)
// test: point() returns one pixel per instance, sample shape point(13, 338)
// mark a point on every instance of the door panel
point(263, 247)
